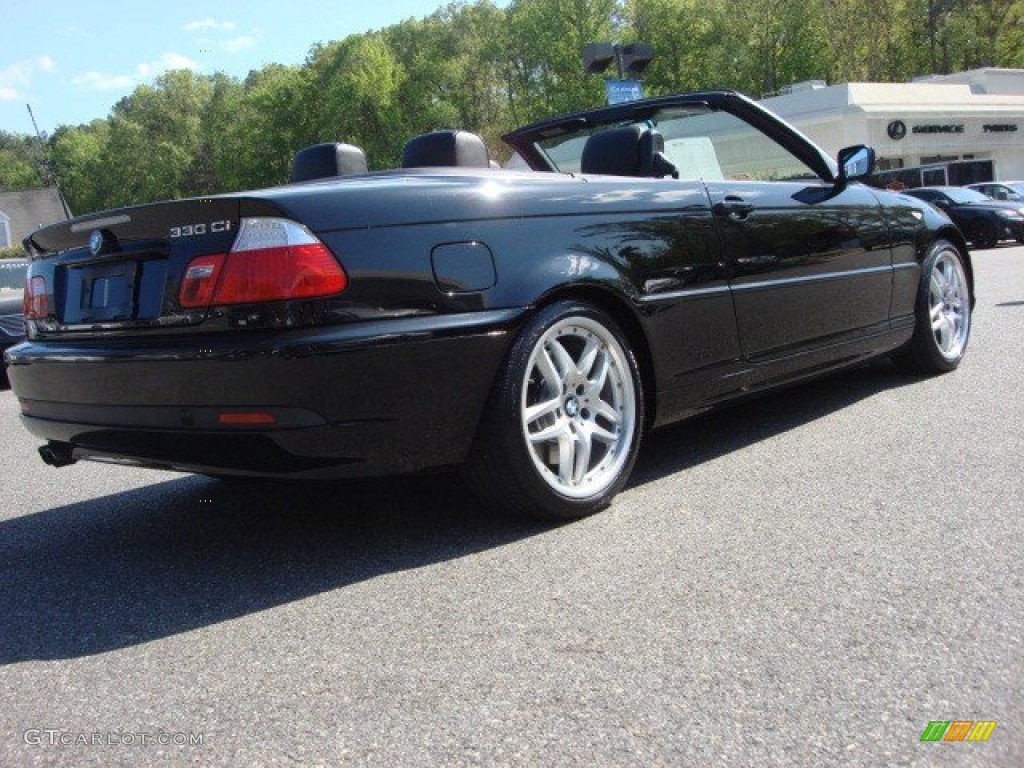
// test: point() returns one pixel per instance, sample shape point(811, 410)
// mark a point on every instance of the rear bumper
point(353, 400)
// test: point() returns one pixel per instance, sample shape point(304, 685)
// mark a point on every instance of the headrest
point(632, 150)
point(446, 148)
point(322, 161)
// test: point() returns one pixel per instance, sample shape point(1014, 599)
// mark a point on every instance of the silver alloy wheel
point(949, 305)
point(578, 407)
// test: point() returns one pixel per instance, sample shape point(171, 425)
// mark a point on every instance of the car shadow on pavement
point(722, 431)
point(132, 567)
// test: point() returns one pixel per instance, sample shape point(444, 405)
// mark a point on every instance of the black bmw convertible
point(657, 258)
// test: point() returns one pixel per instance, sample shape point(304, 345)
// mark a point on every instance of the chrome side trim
point(691, 293)
point(823, 277)
point(783, 281)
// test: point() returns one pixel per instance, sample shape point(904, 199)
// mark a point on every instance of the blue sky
point(72, 61)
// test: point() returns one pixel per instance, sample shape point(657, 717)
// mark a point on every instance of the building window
point(933, 159)
point(888, 163)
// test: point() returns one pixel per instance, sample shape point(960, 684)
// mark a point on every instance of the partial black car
point(983, 220)
point(12, 296)
point(660, 258)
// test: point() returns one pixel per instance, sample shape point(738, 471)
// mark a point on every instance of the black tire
point(983, 234)
point(942, 313)
point(559, 436)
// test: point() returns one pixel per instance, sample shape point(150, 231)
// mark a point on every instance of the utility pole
point(51, 174)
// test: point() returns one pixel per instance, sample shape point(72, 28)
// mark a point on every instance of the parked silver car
point(1001, 190)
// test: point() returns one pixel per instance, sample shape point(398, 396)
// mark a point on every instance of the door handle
point(732, 207)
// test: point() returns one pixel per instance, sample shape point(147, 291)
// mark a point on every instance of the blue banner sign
point(623, 90)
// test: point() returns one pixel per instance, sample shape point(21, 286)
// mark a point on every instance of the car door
point(809, 260)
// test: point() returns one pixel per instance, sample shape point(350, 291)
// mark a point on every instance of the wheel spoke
point(588, 357)
point(550, 373)
point(555, 432)
point(582, 457)
point(607, 412)
point(945, 268)
point(603, 435)
point(562, 360)
point(566, 456)
point(596, 384)
point(944, 333)
point(535, 412)
point(936, 313)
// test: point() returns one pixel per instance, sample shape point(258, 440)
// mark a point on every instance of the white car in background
point(1000, 190)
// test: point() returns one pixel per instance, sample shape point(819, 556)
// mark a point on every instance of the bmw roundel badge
point(102, 241)
point(96, 242)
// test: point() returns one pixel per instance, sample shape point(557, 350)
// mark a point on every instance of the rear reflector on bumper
point(245, 418)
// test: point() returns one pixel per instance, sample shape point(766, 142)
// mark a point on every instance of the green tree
point(694, 44)
point(546, 39)
point(22, 161)
point(456, 70)
point(262, 128)
point(356, 84)
point(78, 156)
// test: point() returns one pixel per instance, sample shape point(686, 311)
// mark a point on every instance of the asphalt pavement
point(809, 579)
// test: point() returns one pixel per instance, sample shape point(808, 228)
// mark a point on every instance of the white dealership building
point(973, 115)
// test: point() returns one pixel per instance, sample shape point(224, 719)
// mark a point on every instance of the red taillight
point(271, 260)
point(37, 301)
point(289, 272)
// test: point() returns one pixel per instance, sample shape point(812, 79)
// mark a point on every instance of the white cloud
point(99, 81)
point(17, 77)
point(209, 23)
point(236, 44)
point(166, 62)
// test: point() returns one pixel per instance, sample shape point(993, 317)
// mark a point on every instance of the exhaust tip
point(57, 454)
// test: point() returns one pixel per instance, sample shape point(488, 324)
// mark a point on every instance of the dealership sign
point(897, 129)
point(937, 129)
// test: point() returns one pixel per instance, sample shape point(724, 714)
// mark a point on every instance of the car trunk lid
point(121, 270)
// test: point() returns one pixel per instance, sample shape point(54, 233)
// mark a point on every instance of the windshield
point(702, 143)
point(959, 195)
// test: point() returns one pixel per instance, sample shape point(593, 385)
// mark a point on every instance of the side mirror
point(855, 162)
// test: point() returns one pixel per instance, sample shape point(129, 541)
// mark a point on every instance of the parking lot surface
point(807, 579)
